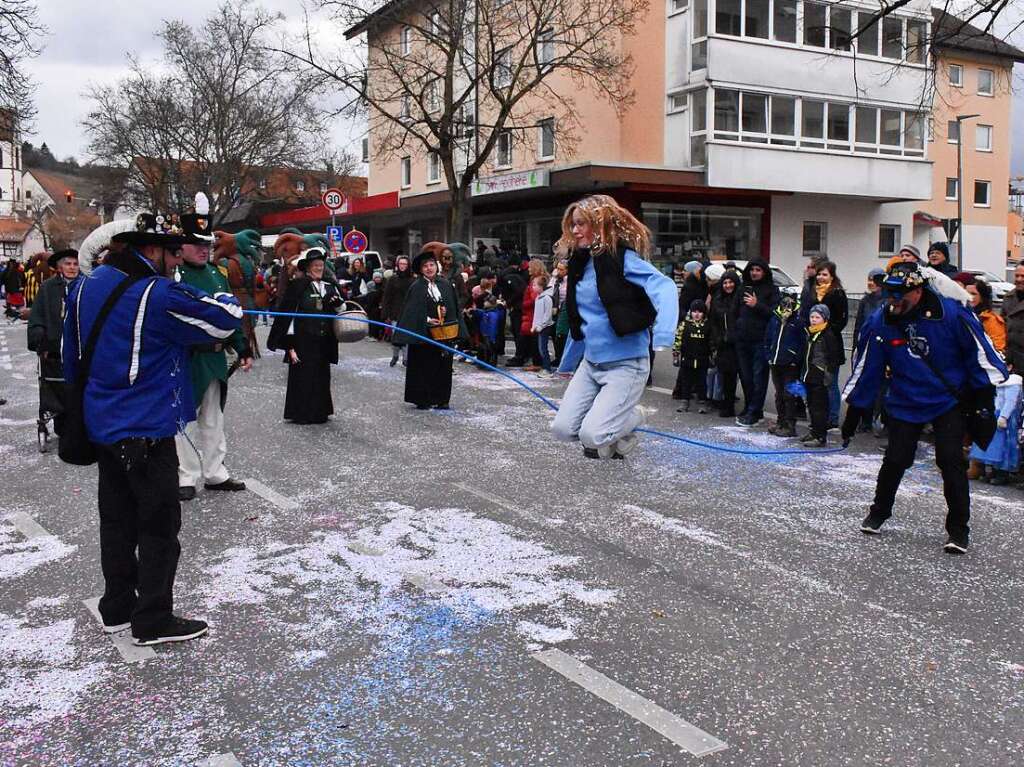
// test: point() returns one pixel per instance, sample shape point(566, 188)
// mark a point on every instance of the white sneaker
point(627, 444)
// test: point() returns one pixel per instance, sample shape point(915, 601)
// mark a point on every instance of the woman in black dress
point(309, 345)
point(430, 301)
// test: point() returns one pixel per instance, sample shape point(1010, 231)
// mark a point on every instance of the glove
point(1001, 422)
point(850, 423)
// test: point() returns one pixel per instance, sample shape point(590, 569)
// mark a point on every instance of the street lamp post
point(960, 188)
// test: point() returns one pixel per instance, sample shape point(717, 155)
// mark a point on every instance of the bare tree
point(20, 31)
point(447, 78)
point(221, 107)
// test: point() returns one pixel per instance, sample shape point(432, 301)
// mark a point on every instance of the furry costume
point(237, 256)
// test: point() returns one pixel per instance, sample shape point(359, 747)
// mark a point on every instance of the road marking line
point(660, 390)
point(122, 641)
point(425, 582)
point(220, 760)
point(507, 505)
point(270, 495)
point(679, 731)
point(27, 526)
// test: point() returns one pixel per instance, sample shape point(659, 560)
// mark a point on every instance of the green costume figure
point(203, 446)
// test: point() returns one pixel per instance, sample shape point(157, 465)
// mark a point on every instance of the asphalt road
point(456, 588)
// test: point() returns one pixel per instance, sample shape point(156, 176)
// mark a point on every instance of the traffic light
point(69, 196)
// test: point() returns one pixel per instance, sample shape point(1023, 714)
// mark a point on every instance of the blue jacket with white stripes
point(139, 384)
point(940, 330)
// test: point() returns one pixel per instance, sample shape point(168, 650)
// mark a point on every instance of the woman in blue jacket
point(618, 305)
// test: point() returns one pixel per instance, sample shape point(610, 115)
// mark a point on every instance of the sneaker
point(955, 545)
point(590, 452)
point(176, 630)
point(818, 442)
point(784, 431)
point(872, 525)
point(807, 438)
point(116, 627)
point(685, 408)
point(743, 420)
point(626, 445)
point(228, 485)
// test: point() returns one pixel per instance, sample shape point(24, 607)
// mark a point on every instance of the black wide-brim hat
point(432, 250)
point(55, 258)
point(313, 254)
point(196, 227)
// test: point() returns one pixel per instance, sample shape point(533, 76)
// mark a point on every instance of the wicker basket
point(446, 331)
point(348, 327)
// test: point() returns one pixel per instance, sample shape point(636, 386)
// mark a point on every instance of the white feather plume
point(202, 204)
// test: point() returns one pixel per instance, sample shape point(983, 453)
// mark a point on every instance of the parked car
point(1000, 287)
point(783, 281)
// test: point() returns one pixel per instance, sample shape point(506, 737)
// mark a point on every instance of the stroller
point(51, 400)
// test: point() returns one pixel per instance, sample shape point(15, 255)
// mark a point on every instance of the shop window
point(406, 172)
point(983, 138)
point(952, 188)
point(699, 45)
point(956, 75)
point(815, 238)
point(867, 41)
point(504, 149)
point(784, 21)
point(814, 24)
point(546, 140)
point(889, 239)
point(986, 82)
point(755, 18)
point(728, 17)
point(982, 194)
point(839, 28)
point(727, 113)
point(433, 168)
point(917, 44)
point(892, 37)
point(681, 233)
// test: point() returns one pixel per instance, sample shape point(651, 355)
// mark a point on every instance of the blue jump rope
point(541, 397)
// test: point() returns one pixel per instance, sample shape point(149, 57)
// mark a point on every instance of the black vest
point(628, 306)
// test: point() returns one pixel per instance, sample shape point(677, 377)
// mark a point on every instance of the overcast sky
point(90, 38)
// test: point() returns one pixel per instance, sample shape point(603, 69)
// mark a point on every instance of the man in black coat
point(757, 302)
point(510, 289)
point(45, 326)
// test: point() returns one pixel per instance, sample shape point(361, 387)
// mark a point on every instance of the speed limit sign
point(334, 200)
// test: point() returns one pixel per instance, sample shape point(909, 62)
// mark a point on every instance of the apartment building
point(758, 128)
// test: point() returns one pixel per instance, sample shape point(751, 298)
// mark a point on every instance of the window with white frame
point(546, 139)
point(815, 24)
point(504, 150)
point(756, 15)
point(323, 187)
point(698, 128)
point(435, 24)
point(953, 131)
point(433, 97)
point(262, 183)
point(406, 172)
point(986, 82)
point(889, 236)
point(677, 102)
point(729, 17)
point(503, 68)
point(956, 75)
point(545, 48)
point(784, 21)
point(433, 167)
point(783, 120)
point(917, 41)
point(300, 185)
point(677, 6)
point(840, 27)
point(892, 37)
point(815, 238)
point(983, 138)
point(366, 149)
point(699, 43)
point(982, 194)
point(952, 188)
point(405, 110)
point(405, 41)
point(867, 40)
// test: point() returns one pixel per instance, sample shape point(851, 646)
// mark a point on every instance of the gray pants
point(599, 406)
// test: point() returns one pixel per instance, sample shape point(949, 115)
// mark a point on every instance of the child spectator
point(784, 339)
point(489, 322)
point(543, 324)
point(822, 357)
point(1003, 453)
point(691, 352)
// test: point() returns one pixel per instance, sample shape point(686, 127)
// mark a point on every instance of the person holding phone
point(759, 299)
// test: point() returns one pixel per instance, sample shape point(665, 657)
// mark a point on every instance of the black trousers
point(692, 380)
point(140, 517)
point(560, 346)
point(949, 457)
point(817, 409)
point(527, 349)
point(785, 403)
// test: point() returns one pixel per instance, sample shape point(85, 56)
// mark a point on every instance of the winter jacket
point(839, 314)
point(784, 339)
point(995, 328)
point(395, 291)
point(723, 312)
point(693, 343)
point(1013, 313)
point(542, 309)
point(139, 384)
point(821, 356)
point(46, 321)
point(693, 289)
point(867, 306)
point(948, 334)
point(752, 321)
point(526, 323)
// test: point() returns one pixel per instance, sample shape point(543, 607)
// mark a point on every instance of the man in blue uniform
point(137, 396)
point(933, 348)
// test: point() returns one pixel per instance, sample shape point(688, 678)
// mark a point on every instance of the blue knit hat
point(822, 310)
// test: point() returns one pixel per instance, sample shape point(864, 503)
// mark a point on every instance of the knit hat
point(692, 267)
point(822, 310)
point(877, 275)
point(941, 247)
point(912, 250)
point(714, 272)
point(697, 305)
